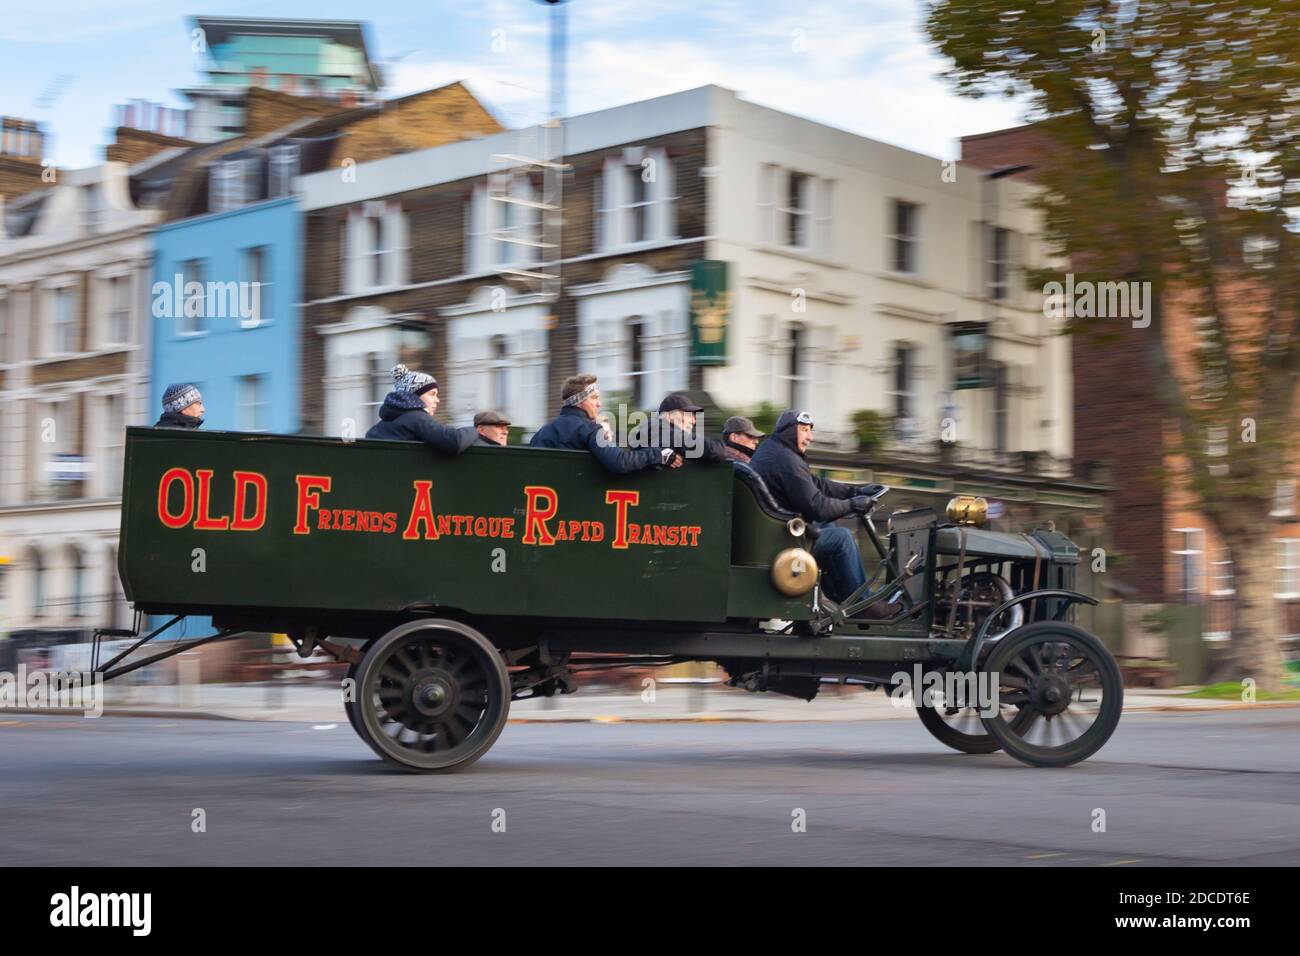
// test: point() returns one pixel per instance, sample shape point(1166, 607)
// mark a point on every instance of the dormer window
point(234, 183)
point(283, 167)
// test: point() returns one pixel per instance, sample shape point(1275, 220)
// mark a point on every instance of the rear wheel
point(431, 696)
point(350, 695)
point(962, 729)
point(1071, 683)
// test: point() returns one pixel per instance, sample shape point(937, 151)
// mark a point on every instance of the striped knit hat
point(417, 383)
point(180, 396)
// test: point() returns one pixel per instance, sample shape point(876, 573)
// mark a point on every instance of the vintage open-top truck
point(452, 586)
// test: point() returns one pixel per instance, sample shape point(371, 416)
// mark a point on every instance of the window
point(1001, 406)
point(91, 208)
point(194, 316)
point(63, 314)
point(795, 213)
point(77, 569)
point(904, 241)
point(283, 167)
point(250, 403)
point(1189, 551)
point(117, 328)
point(638, 369)
point(39, 584)
point(256, 271)
point(637, 208)
point(999, 262)
point(375, 248)
point(904, 367)
point(499, 372)
point(637, 201)
point(114, 439)
point(1288, 568)
point(795, 372)
point(1221, 578)
point(378, 381)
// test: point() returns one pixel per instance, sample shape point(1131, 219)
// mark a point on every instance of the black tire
point(350, 706)
point(1045, 666)
point(440, 683)
point(954, 730)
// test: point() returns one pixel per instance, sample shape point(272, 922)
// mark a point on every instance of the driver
point(780, 462)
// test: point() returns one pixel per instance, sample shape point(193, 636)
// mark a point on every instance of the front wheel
point(431, 696)
point(1069, 680)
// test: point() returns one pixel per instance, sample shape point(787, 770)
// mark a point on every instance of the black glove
point(862, 504)
point(871, 491)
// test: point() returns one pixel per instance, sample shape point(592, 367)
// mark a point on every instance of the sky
point(861, 65)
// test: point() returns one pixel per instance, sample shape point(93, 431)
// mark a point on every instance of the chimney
point(22, 148)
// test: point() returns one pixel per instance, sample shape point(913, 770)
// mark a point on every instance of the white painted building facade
point(849, 262)
point(74, 289)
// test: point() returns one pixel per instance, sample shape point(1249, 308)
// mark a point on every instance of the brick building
point(1168, 551)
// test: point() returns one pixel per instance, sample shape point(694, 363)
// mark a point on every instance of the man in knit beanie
point(182, 407)
point(407, 415)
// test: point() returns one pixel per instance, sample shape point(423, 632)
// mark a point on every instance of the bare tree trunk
point(1257, 617)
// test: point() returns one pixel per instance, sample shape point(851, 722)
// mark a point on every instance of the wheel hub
point(432, 694)
point(1050, 693)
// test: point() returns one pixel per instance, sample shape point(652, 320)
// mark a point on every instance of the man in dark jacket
point(576, 427)
point(740, 438)
point(675, 429)
point(182, 407)
point(407, 415)
point(781, 463)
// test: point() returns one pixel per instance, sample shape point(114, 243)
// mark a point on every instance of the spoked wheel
point(350, 706)
point(1071, 683)
point(962, 729)
point(431, 696)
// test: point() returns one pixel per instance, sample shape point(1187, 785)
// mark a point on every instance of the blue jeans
point(836, 551)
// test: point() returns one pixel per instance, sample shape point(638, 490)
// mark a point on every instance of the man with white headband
point(576, 427)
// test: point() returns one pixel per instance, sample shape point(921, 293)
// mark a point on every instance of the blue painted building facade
point(236, 333)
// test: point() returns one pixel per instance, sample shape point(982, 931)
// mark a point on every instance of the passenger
point(740, 438)
point(781, 462)
point(493, 429)
point(182, 407)
point(677, 418)
point(576, 427)
point(407, 415)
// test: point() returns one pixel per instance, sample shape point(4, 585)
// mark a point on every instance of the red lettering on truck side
point(309, 489)
point(421, 510)
point(620, 500)
point(536, 514)
point(204, 521)
point(164, 489)
point(245, 480)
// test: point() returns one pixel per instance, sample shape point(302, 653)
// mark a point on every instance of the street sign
point(710, 312)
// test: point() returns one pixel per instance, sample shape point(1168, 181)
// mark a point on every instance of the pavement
point(321, 702)
point(1204, 788)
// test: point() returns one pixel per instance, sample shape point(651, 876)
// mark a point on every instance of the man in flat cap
point(493, 429)
point(740, 438)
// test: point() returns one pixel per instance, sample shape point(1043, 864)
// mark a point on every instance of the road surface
point(1176, 789)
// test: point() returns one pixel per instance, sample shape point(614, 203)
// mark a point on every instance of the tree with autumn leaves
point(1174, 159)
